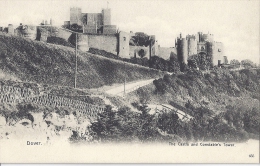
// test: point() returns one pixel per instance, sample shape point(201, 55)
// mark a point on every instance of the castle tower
point(218, 53)
point(208, 37)
point(192, 45)
point(106, 13)
point(182, 50)
point(123, 50)
point(154, 47)
point(211, 38)
point(10, 29)
point(75, 16)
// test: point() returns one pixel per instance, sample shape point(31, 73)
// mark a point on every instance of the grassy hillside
point(39, 62)
point(224, 105)
point(215, 90)
point(232, 95)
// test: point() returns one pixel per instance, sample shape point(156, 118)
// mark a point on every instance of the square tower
point(106, 13)
point(75, 16)
point(123, 50)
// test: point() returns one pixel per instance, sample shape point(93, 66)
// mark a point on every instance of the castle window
point(124, 38)
point(219, 50)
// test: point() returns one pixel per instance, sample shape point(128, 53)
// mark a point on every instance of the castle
point(185, 48)
point(95, 31)
point(200, 44)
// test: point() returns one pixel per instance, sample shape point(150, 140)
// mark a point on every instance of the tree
point(140, 39)
point(168, 122)
point(76, 27)
point(235, 63)
point(192, 63)
point(156, 63)
point(107, 126)
point(141, 53)
point(183, 67)
point(160, 85)
point(247, 63)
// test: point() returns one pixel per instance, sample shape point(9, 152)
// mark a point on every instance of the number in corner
point(251, 155)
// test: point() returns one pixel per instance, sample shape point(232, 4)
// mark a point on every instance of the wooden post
point(125, 78)
point(76, 63)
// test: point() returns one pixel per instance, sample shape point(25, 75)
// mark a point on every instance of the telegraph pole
point(51, 25)
point(76, 64)
point(125, 78)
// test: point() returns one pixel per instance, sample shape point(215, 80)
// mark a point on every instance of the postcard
point(109, 81)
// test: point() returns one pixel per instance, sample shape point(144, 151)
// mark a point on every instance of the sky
point(235, 23)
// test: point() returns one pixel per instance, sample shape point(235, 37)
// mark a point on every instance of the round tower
point(192, 46)
point(184, 50)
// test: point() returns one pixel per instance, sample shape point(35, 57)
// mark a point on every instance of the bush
point(59, 41)
point(125, 125)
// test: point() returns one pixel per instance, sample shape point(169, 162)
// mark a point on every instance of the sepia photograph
point(129, 81)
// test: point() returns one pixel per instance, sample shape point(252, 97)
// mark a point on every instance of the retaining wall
point(15, 95)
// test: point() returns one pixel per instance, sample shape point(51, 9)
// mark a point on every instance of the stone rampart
point(165, 52)
point(108, 43)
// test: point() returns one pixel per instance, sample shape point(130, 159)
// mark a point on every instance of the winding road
point(129, 87)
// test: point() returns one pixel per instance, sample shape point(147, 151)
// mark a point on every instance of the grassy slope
point(29, 60)
point(216, 91)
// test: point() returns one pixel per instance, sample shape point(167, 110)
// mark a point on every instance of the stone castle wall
point(117, 44)
point(63, 34)
point(108, 43)
point(165, 52)
point(83, 42)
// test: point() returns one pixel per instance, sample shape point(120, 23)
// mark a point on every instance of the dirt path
point(129, 87)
